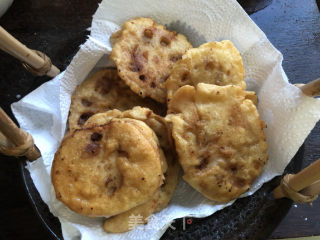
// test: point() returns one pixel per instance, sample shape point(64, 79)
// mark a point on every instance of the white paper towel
point(290, 116)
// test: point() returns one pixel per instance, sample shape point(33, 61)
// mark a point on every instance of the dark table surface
point(293, 26)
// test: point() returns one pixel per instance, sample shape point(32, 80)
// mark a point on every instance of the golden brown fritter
point(161, 198)
point(216, 63)
point(163, 132)
point(121, 222)
point(103, 91)
point(252, 96)
point(144, 53)
point(107, 169)
point(219, 139)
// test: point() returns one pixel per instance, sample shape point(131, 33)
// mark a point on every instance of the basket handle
point(304, 186)
point(311, 89)
point(301, 187)
point(14, 141)
point(34, 61)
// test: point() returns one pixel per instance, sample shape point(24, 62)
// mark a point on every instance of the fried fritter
point(163, 132)
point(120, 223)
point(115, 37)
point(252, 96)
point(107, 169)
point(216, 63)
point(103, 91)
point(219, 139)
point(144, 53)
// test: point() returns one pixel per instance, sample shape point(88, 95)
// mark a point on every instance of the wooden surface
point(293, 26)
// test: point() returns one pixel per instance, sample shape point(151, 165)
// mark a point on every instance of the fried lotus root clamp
point(169, 166)
point(219, 139)
point(218, 63)
point(152, 51)
point(102, 91)
point(107, 169)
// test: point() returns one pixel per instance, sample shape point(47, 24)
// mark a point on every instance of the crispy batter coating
point(121, 223)
point(103, 91)
point(216, 63)
point(219, 139)
point(107, 169)
point(252, 96)
point(170, 167)
point(115, 37)
point(144, 53)
point(163, 132)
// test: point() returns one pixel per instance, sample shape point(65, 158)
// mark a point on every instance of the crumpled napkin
point(290, 116)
